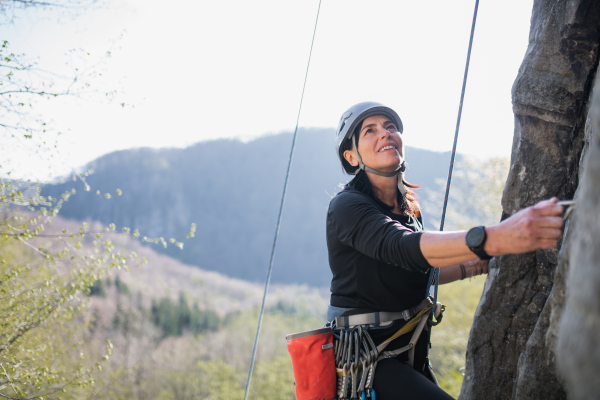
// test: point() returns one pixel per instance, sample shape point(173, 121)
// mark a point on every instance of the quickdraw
point(356, 355)
point(434, 276)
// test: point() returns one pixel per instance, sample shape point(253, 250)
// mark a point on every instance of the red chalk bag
point(313, 362)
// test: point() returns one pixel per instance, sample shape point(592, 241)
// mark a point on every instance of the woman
point(381, 258)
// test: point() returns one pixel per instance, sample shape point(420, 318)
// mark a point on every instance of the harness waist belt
point(380, 317)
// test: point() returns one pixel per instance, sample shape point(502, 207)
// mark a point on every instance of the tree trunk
point(512, 342)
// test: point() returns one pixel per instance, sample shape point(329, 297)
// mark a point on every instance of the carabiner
point(356, 348)
point(343, 349)
point(360, 333)
point(350, 345)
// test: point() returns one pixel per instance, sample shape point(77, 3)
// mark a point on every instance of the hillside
point(232, 190)
point(158, 355)
point(163, 276)
point(181, 331)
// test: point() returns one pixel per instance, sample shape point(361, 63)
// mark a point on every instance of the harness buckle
point(406, 314)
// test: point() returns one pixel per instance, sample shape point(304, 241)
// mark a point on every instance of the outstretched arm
point(533, 228)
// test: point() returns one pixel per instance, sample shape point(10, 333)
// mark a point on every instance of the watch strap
point(480, 253)
point(478, 250)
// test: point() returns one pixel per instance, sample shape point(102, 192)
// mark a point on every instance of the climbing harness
point(355, 355)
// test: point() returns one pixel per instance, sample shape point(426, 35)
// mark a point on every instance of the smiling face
point(379, 144)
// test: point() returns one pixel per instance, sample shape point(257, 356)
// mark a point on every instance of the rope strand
point(435, 272)
point(287, 175)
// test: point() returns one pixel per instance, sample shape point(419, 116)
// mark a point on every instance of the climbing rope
point(432, 286)
point(287, 175)
point(434, 275)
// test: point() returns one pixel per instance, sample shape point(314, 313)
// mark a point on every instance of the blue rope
point(287, 175)
point(435, 272)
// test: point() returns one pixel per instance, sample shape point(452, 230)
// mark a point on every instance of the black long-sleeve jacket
point(374, 254)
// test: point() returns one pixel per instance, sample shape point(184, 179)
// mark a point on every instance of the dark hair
point(409, 204)
point(347, 145)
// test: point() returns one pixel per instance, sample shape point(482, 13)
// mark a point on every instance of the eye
point(392, 128)
point(370, 130)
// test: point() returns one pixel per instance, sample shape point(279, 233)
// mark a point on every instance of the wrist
point(491, 244)
point(479, 269)
point(475, 239)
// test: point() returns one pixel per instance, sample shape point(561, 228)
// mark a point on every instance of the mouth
point(388, 147)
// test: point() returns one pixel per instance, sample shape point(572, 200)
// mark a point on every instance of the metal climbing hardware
point(569, 206)
point(433, 280)
point(353, 358)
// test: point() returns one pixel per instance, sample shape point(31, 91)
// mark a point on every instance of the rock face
point(512, 346)
point(578, 346)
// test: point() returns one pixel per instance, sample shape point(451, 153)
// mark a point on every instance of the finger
point(548, 209)
point(550, 222)
point(547, 233)
point(545, 203)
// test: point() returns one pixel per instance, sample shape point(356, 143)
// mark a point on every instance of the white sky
point(199, 70)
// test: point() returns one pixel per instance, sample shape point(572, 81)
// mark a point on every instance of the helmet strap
point(398, 172)
point(401, 187)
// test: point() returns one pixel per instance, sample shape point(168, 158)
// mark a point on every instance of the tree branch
point(35, 3)
point(9, 380)
point(42, 93)
point(33, 247)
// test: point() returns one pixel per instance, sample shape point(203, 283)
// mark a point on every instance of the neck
point(386, 189)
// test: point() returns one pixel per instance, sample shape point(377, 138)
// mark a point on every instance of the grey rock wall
point(511, 350)
point(578, 338)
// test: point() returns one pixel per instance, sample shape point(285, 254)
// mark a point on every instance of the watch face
point(475, 237)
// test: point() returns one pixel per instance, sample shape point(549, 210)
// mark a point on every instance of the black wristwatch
point(475, 240)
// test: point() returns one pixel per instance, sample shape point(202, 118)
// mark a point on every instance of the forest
point(175, 331)
point(146, 323)
point(139, 275)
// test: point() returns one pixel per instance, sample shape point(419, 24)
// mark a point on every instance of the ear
point(351, 157)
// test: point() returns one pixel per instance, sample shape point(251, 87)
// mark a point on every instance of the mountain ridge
point(232, 191)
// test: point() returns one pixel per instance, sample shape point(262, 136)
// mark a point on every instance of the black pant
point(397, 380)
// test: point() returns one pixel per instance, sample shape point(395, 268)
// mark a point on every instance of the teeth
point(387, 148)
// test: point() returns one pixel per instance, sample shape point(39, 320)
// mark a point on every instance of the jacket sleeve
point(358, 223)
